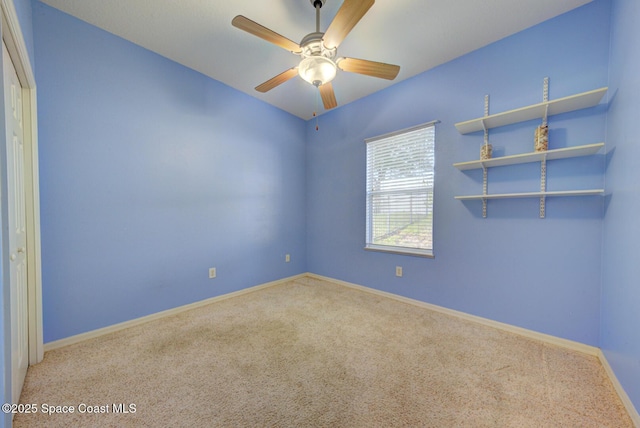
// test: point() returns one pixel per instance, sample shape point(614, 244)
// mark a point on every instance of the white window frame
point(403, 186)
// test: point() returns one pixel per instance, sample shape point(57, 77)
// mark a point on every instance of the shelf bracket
point(543, 162)
point(545, 99)
point(484, 168)
point(484, 191)
point(543, 185)
point(486, 113)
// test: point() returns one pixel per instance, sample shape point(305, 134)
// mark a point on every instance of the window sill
point(416, 252)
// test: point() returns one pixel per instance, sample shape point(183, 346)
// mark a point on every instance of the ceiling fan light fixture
point(317, 70)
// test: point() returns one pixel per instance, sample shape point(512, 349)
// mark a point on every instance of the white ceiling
point(415, 34)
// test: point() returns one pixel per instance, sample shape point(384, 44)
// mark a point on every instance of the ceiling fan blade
point(256, 29)
point(369, 68)
point(347, 17)
point(278, 80)
point(328, 96)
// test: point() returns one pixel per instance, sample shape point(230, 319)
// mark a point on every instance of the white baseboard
point(137, 321)
point(565, 343)
point(633, 412)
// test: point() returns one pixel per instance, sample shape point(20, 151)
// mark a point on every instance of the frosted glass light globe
point(317, 70)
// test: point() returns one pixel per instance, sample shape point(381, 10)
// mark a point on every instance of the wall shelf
point(568, 152)
point(535, 111)
point(590, 192)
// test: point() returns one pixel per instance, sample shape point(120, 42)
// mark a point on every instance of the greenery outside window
point(400, 177)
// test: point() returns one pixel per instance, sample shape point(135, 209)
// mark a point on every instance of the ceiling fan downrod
point(317, 4)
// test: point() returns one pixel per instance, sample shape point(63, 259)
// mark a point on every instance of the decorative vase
point(541, 138)
point(485, 151)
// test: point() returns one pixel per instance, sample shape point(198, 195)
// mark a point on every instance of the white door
point(17, 226)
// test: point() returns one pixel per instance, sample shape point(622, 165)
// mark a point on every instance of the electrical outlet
point(398, 270)
point(287, 258)
point(212, 272)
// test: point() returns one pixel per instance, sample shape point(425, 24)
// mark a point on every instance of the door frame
point(14, 39)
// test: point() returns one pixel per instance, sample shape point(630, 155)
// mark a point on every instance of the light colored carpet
point(309, 353)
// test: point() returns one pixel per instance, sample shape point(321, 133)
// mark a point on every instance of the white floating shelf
point(536, 111)
point(591, 192)
point(568, 152)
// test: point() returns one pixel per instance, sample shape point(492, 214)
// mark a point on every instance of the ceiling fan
point(318, 51)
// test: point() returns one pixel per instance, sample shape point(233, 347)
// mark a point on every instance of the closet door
point(17, 226)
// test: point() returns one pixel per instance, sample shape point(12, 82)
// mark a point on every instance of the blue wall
point(540, 274)
point(150, 173)
point(621, 271)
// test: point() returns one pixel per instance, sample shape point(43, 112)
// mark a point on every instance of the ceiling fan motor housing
point(312, 45)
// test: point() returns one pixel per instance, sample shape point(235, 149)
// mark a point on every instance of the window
point(400, 171)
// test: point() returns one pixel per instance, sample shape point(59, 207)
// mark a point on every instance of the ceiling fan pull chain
point(314, 113)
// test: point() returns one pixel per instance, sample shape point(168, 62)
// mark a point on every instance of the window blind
point(400, 179)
